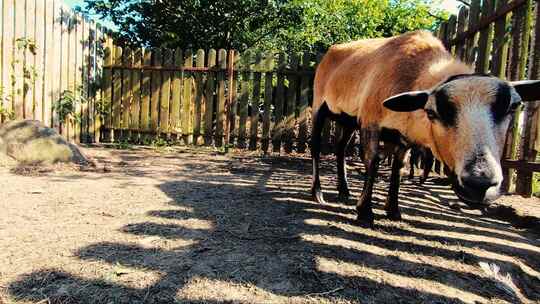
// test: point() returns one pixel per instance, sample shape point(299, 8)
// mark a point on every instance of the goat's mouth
point(472, 197)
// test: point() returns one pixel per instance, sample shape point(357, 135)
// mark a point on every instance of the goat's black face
point(469, 117)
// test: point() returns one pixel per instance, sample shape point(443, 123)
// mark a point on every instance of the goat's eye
point(514, 107)
point(432, 115)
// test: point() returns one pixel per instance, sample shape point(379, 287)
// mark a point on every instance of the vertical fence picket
point(107, 89)
point(209, 98)
point(303, 111)
point(474, 18)
point(277, 132)
point(8, 33)
point(18, 60)
point(233, 114)
point(524, 178)
point(268, 97)
point(117, 94)
point(485, 40)
point(451, 33)
point(290, 119)
point(255, 103)
point(187, 115)
point(244, 98)
point(199, 97)
point(134, 123)
point(155, 88)
point(165, 94)
point(461, 28)
point(500, 44)
point(518, 60)
point(220, 111)
point(176, 95)
point(146, 93)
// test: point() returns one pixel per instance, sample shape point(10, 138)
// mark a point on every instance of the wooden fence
point(503, 38)
point(48, 52)
point(187, 96)
point(222, 97)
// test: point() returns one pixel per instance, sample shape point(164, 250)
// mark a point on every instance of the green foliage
point(5, 113)
point(66, 105)
point(297, 25)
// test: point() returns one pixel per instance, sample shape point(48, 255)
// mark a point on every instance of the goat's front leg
point(370, 138)
point(391, 207)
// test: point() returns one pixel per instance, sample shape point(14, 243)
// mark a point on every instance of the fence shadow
point(267, 240)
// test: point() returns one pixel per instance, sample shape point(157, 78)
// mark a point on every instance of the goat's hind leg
point(391, 207)
point(318, 122)
point(370, 138)
point(343, 187)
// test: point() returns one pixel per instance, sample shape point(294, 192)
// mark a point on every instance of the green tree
point(297, 25)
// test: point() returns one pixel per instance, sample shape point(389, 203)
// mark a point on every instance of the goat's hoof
point(318, 196)
point(365, 220)
point(343, 195)
point(393, 215)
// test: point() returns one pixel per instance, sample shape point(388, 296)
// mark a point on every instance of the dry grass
point(193, 226)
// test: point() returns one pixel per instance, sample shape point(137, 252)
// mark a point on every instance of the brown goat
point(409, 90)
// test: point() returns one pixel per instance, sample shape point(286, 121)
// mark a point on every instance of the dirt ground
point(194, 226)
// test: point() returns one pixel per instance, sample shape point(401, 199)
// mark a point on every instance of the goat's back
point(356, 77)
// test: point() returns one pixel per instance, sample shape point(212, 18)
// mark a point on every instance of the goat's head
point(469, 116)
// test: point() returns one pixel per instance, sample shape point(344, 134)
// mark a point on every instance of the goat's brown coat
point(355, 78)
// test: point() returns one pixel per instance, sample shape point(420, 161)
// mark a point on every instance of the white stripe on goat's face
point(470, 116)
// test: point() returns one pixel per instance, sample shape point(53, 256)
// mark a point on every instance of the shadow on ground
point(268, 242)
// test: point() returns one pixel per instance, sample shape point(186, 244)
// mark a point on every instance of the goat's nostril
point(478, 183)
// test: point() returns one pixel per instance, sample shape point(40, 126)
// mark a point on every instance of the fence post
point(255, 102)
point(520, 45)
point(524, 179)
point(462, 27)
point(474, 17)
point(485, 40)
point(268, 95)
point(209, 107)
point(199, 97)
point(228, 101)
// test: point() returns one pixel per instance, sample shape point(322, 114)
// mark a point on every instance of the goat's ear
point(529, 90)
point(407, 102)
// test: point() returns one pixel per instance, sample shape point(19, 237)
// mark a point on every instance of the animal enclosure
point(68, 72)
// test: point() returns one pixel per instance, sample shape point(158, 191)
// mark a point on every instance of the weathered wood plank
point(77, 79)
point(176, 94)
point(474, 17)
point(244, 98)
point(462, 27)
point(524, 179)
point(8, 41)
point(500, 45)
point(146, 92)
point(134, 122)
point(165, 93)
point(268, 97)
point(255, 103)
point(209, 99)
point(221, 119)
point(199, 97)
point(187, 100)
point(518, 60)
point(290, 119)
point(156, 86)
point(277, 132)
point(84, 72)
point(486, 39)
point(18, 60)
point(303, 111)
point(117, 94)
point(107, 88)
point(450, 33)
point(29, 61)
